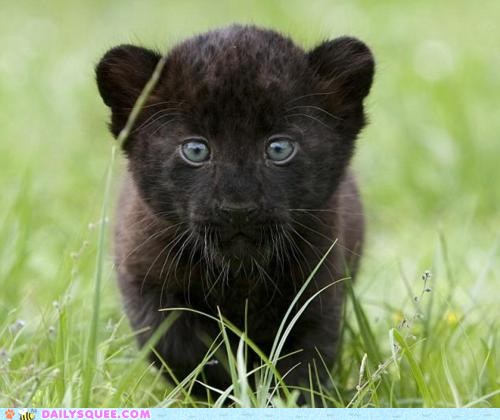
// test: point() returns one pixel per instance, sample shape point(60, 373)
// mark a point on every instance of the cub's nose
point(238, 214)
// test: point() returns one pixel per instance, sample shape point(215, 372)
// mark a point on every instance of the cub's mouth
point(239, 245)
point(239, 237)
point(243, 246)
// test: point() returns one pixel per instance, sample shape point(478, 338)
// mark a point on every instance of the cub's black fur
point(239, 228)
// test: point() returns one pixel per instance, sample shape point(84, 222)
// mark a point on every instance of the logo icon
point(26, 415)
point(9, 414)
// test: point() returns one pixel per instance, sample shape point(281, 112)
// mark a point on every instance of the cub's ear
point(344, 68)
point(121, 76)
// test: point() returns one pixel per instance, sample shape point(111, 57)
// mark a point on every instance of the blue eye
point(280, 149)
point(195, 151)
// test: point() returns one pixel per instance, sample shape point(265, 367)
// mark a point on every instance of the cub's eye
point(280, 149)
point(195, 151)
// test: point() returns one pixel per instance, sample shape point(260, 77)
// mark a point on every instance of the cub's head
point(243, 131)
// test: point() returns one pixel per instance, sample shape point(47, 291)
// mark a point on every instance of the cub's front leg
point(184, 345)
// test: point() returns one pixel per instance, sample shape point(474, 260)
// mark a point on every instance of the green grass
point(427, 165)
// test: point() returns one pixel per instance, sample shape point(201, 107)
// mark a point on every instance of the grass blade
point(415, 369)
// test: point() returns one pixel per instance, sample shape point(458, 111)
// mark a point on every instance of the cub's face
point(242, 134)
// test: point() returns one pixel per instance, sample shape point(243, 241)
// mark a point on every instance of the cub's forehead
point(236, 50)
point(238, 72)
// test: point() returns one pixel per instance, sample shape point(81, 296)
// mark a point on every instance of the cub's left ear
point(344, 68)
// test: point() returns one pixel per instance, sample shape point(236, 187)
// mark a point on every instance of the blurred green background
point(428, 163)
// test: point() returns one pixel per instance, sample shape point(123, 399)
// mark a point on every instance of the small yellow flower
point(397, 317)
point(451, 317)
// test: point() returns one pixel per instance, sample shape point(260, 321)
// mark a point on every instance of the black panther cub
point(237, 184)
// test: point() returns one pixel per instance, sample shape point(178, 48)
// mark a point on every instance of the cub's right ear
point(121, 76)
